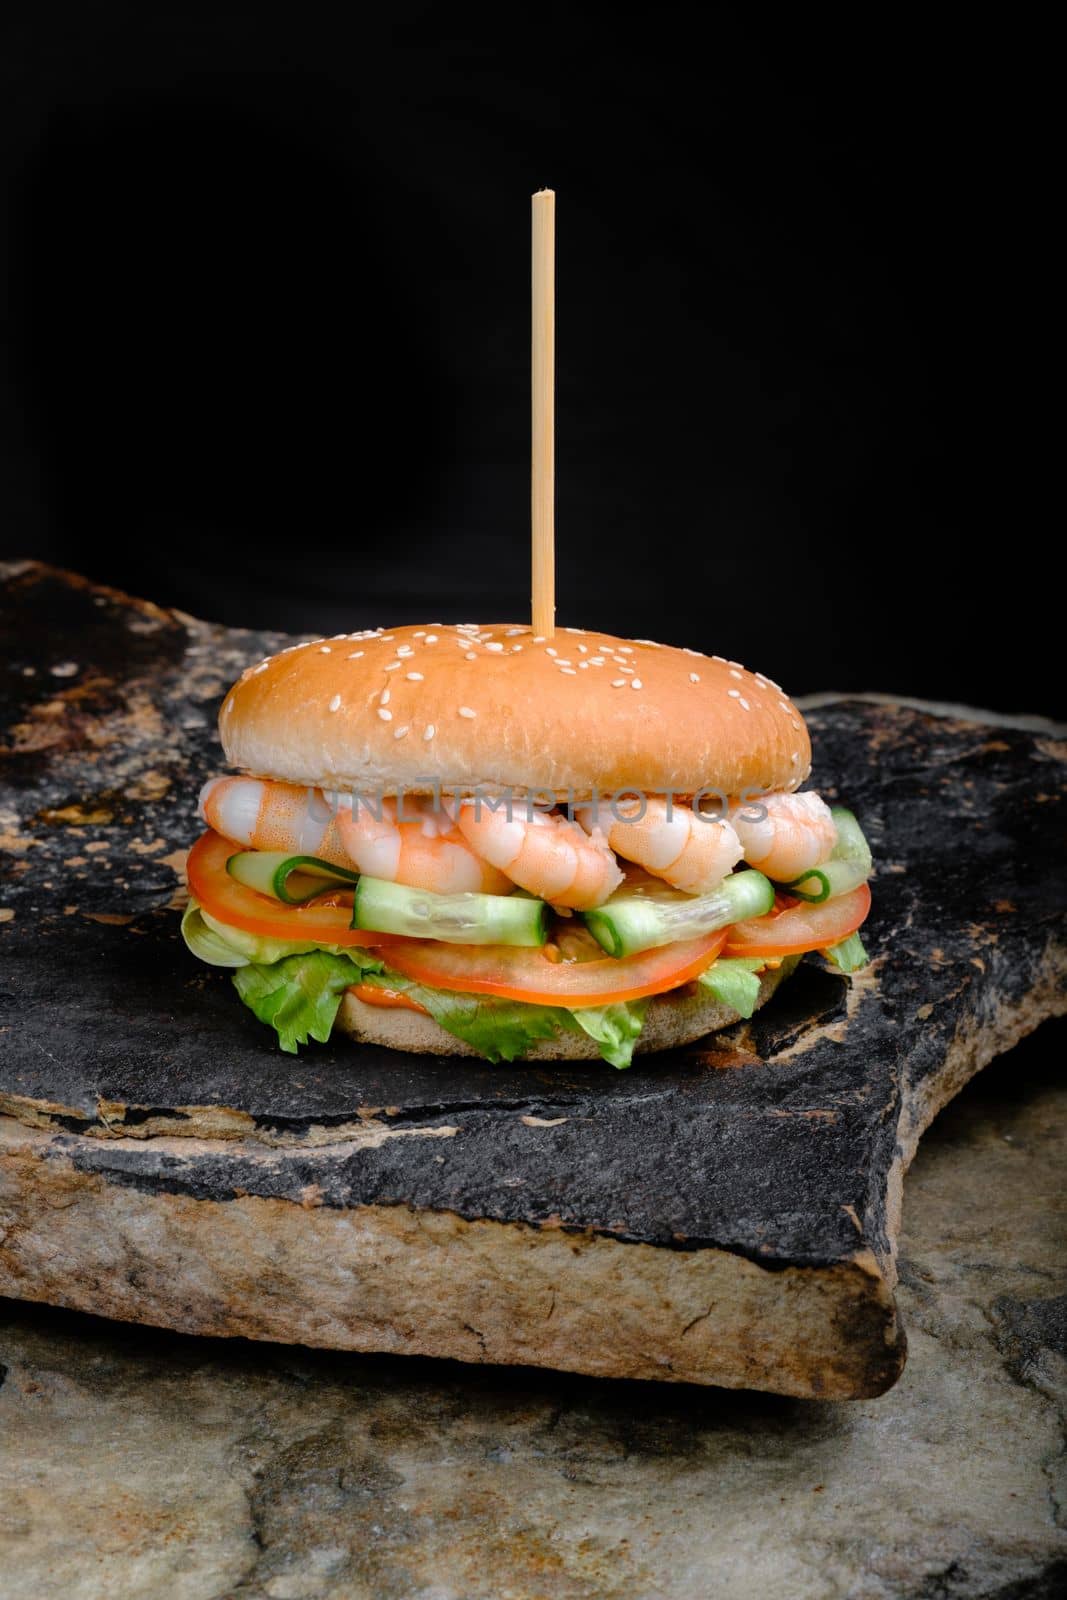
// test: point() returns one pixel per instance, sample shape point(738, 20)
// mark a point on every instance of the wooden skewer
point(543, 412)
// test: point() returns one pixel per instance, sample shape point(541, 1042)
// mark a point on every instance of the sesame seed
point(335, 703)
point(429, 731)
point(471, 656)
point(795, 759)
point(795, 723)
point(582, 665)
point(624, 650)
point(551, 652)
point(431, 638)
point(783, 707)
point(563, 661)
point(618, 683)
point(465, 711)
point(734, 672)
point(694, 677)
point(355, 655)
point(743, 702)
point(719, 658)
point(539, 638)
point(404, 650)
point(516, 647)
point(420, 635)
point(511, 632)
point(384, 697)
point(386, 716)
point(263, 665)
point(574, 630)
point(583, 649)
point(494, 646)
point(568, 672)
point(324, 650)
point(596, 661)
point(735, 664)
point(386, 638)
point(636, 684)
point(398, 733)
point(655, 644)
point(392, 666)
point(687, 652)
point(413, 677)
point(735, 694)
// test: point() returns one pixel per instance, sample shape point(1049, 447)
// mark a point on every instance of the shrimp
point(796, 834)
point(264, 815)
point(543, 852)
point(417, 844)
point(688, 851)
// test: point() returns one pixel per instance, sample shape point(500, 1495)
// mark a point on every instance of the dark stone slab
point(780, 1142)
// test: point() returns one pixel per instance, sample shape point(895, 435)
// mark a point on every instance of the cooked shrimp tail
point(415, 841)
point(543, 852)
point(690, 852)
point(795, 833)
point(264, 815)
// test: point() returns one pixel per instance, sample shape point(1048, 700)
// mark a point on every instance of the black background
point(266, 345)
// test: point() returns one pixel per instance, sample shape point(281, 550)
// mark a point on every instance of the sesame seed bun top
point(495, 707)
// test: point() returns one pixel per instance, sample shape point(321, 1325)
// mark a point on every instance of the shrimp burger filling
point(474, 840)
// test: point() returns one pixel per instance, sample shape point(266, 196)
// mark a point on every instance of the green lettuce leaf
point(263, 951)
point(615, 1028)
point(849, 955)
point(220, 945)
point(205, 943)
point(504, 1030)
point(734, 982)
point(299, 997)
point(500, 1030)
point(297, 989)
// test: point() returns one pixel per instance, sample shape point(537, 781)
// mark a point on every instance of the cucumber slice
point(384, 907)
point(290, 879)
point(827, 882)
point(632, 921)
point(849, 864)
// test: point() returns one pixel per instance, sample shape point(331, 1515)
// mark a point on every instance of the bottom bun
point(671, 1020)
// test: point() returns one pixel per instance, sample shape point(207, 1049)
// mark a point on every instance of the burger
point(475, 840)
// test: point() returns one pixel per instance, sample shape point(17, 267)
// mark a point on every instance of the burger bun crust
point(494, 708)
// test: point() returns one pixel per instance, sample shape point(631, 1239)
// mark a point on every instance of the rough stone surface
point(683, 1219)
point(137, 1464)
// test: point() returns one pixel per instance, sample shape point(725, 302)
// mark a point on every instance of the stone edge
point(389, 1279)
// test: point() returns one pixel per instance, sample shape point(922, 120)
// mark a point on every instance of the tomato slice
point(531, 975)
point(234, 903)
point(795, 928)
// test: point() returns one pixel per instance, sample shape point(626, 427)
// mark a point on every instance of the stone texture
point(135, 1464)
point(724, 1213)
